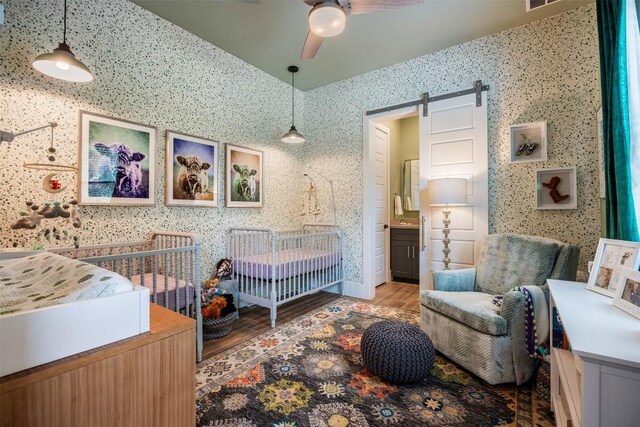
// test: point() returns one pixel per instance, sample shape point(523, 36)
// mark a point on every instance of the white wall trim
point(357, 290)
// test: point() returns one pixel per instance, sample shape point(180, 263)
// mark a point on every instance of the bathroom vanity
point(405, 252)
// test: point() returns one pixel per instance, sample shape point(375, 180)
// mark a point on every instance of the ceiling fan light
point(293, 137)
point(62, 64)
point(327, 19)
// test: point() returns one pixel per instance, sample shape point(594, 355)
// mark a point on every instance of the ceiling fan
point(328, 18)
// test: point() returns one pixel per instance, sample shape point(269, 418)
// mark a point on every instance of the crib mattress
point(160, 281)
point(46, 279)
point(288, 263)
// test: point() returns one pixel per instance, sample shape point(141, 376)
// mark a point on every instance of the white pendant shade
point(293, 137)
point(327, 19)
point(448, 192)
point(62, 64)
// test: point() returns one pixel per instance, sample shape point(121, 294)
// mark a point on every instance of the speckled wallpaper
point(148, 71)
point(547, 70)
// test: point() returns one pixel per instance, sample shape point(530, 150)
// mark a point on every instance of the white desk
point(607, 343)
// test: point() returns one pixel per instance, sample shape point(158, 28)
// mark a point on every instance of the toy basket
point(218, 328)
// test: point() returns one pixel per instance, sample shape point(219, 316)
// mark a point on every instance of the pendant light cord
point(64, 35)
point(293, 104)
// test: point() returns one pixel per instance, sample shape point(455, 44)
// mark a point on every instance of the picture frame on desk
point(612, 257)
point(627, 296)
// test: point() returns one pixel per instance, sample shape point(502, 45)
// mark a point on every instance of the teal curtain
point(620, 211)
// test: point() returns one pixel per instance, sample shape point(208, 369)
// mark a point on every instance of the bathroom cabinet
point(405, 253)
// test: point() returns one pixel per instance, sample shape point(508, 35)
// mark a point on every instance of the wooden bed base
point(147, 380)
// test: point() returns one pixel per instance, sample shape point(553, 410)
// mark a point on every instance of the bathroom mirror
point(411, 185)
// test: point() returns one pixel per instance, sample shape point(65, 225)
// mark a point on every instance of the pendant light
point(293, 137)
point(62, 63)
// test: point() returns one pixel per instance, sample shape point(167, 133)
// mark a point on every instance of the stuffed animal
point(212, 283)
point(223, 269)
point(214, 309)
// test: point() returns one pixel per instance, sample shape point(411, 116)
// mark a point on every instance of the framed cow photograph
point(117, 161)
point(243, 177)
point(191, 177)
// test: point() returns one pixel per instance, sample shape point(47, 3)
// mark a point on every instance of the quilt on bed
point(288, 263)
point(46, 279)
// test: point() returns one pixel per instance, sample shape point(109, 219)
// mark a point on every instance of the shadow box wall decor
point(117, 161)
point(556, 188)
point(243, 177)
point(528, 142)
point(612, 257)
point(627, 296)
point(191, 175)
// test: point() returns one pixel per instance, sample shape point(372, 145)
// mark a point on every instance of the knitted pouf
point(397, 352)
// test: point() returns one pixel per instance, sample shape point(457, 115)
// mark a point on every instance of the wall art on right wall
point(556, 188)
point(528, 142)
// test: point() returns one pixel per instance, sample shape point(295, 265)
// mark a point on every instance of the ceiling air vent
point(535, 4)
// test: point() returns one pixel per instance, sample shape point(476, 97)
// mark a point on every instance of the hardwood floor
point(255, 320)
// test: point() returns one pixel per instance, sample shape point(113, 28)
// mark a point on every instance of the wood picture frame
point(191, 170)
point(243, 177)
point(117, 161)
point(528, 142)
point(612, 256)
point(627, 297)
point(556, 188)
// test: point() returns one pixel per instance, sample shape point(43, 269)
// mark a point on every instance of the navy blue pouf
point(397, 352)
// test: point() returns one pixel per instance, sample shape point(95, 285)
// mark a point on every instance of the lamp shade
point(62, 64)
point(293, 137)
point(448, 192)
point(327, 19)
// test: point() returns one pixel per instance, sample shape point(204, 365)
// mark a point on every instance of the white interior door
point(381, 180)
point(453, 143)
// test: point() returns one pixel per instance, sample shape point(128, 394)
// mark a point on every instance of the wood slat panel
point(143, 381)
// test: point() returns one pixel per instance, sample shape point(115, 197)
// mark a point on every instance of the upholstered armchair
point(466, 326)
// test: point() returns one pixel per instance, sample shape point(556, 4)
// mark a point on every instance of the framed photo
point(243, 177)
point(627, 296)
point(612, 257)
point(528, 142)
point(556, 188)
point(191, 175)
point(117, 161)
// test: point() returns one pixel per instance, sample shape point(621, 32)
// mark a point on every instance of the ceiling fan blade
point(311, 2)
point(357, 7)
point(311, 46)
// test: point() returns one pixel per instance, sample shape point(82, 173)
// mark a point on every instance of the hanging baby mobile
point(53, 220)
point(309, 202)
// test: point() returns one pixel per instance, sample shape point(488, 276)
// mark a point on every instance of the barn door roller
point(424, 100)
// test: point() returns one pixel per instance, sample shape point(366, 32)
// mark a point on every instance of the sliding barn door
point(453, 143)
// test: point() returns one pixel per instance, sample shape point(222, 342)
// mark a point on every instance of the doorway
point(453, 143)
point(391, 214)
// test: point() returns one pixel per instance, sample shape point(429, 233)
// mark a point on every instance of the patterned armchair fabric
point(463, 323)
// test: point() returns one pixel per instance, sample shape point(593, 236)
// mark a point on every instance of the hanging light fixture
point(327, 19)
point(62, 63)
point(293, 136)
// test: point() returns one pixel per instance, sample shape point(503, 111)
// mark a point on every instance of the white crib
point(273, 268)
point(168, 265)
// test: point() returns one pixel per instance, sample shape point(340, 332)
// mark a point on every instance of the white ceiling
point(269, 34)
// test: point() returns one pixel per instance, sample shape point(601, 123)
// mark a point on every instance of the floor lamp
point(447, 192)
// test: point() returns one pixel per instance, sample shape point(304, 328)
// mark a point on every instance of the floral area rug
point(308, 373)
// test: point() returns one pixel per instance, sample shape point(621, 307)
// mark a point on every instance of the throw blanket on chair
point(536, 318)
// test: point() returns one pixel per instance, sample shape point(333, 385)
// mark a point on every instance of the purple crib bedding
point(148, 283)
point(288, 263)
